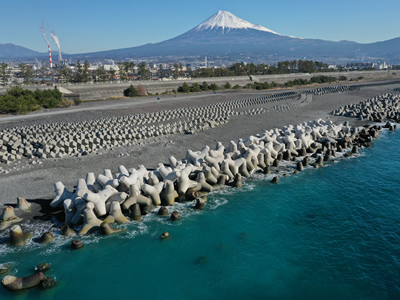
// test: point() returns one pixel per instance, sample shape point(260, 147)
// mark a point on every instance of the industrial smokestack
point(51, 60)
point(57, 41)
point(48, 44)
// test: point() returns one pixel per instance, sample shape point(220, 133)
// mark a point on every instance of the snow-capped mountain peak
point(227, 21)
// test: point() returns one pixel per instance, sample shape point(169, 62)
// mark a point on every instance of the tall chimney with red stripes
point(51, 60)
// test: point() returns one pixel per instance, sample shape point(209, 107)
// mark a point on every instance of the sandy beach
point(35, 181)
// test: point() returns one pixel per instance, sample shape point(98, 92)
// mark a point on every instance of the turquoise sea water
point(330, 233)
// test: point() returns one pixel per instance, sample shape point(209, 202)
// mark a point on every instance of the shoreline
point(142, 153)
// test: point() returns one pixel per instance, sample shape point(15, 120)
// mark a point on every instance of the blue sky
point(88, 25)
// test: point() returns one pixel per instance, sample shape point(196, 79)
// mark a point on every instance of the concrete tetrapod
point(197, 157)
point(92, 184)
point(117, 213)
point(204, 186)
point(163, 211)
point(214, 161)
point(14, 283)
point(22, 204)
point(99, 199)
point(237, 181)
point(210, 178)
point(106, 181)
point(184, 183)
point(106, 229)
point(127, 181)
point(17, 237)
point(8, 217)
point(222, 179)
point(80, 206)
point(46, 238)
point(169, 194)
point(153, 192)
point(90, 219)
point(200, 204)
point(175, 216)
point(61, 194)
point(66, 231)
point(135, 197)
point(225, 168)
point(135, 212)
point(69, 210)
point(75, 244)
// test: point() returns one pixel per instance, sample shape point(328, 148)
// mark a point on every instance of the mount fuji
point(224, 34)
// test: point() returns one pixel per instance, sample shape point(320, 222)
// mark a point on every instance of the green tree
point(131, 66)
point(5, 73)
point(306, 66)
point(176, 70)
point(65, 73)
point(130, 91)
point(204, 86)
point(142, 71)
point(184, 88)
point(227, 86)
point(101, 74)
point(26, 73)
point(251, 69)
point(112, 74)
point(162, 72)
point(195, 88)
point(85, 71)
point(43, 72)
point(213, 87)
point(78, 72)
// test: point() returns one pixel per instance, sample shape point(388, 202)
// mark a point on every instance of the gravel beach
point(34, 179)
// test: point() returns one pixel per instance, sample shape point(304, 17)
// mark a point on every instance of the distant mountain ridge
point(224, 34)
point(14, 51)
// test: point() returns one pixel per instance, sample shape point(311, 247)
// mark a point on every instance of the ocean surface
point(327, 233)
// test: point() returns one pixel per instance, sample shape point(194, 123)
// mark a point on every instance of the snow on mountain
point(226, 20)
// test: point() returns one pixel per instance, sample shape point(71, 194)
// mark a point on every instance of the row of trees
point(175, 70)
point(19, 100)
point(282, 67)
point(195, 87)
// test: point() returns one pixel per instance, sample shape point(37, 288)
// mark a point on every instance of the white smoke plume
point(55, 39)
point(39, 64)
point(44, 35)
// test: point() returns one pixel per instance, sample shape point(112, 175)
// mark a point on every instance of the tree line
point(195, 87)
point(82, 74)
point(203, 87)
point(19, 100)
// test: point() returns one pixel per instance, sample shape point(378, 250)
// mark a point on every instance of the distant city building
point(359, 65)
point(377, 66)
point(111, 67)
point(381, 66)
